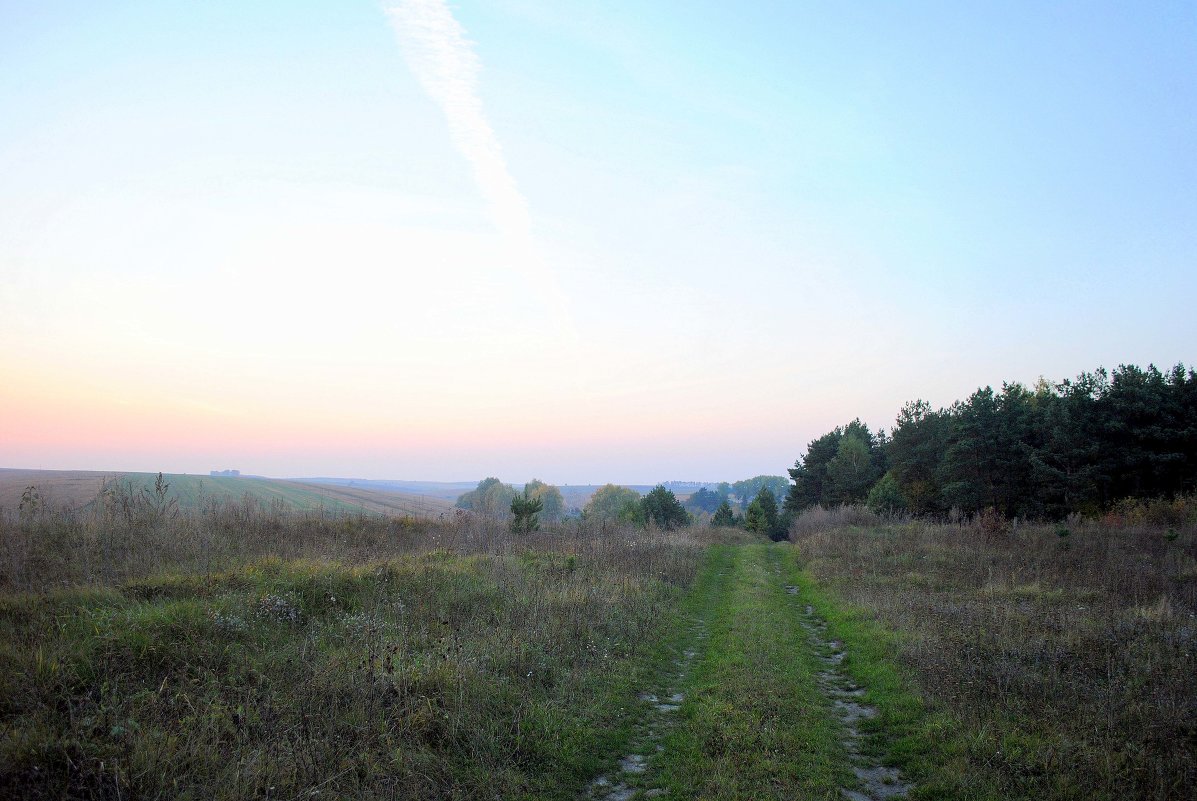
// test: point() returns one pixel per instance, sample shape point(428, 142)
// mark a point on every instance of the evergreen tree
point(809, 473)
point(661, 507)
point(767, 503)
point(525, 513)
point(886, 495)
point(850, 473)
point(723, 515)
point(1079, 445)
point(834, 471)
point(1066, 468)
point(914, 452)
point(754, 518)
point(968, 473)
point(703, 501)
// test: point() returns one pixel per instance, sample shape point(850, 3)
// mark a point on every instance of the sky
point(581, 241)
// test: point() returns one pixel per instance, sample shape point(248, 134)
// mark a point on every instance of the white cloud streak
point(445, 64)
point(443, 61)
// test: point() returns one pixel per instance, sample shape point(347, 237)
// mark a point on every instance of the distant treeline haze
point(493, 498)
point(1081, 446)
point(613, 502)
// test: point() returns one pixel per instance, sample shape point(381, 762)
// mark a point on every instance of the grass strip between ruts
point(754, 723)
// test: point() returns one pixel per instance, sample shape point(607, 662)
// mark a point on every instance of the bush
point(816, 519)
point(1178, 512)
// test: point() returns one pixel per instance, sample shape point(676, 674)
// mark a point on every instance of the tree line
point(613, 503)
point(541, 502)
point(1078, 446)
point(740, 493)
point(756, 499)
point(494, 498)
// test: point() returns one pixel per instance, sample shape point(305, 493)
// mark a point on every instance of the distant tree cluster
point(495, 499)
point(1044, 452)
point(705, 500)
point(747, 490)
point(491, 498)
point(756, 498)
point(762, 516)
point(613, 503)
point(551, 500)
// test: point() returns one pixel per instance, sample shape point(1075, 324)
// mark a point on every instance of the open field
point(76, 489)
point(576, 496)
point(1043, 665)
point(241, 651)
point(373, 660)
point(445, 490)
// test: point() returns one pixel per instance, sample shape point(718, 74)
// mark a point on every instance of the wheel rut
point(876, 782)
point(751, 615)
point(633, 777)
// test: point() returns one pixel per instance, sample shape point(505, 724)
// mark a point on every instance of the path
point(756, 703)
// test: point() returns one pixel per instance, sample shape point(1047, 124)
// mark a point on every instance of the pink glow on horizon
point(44, 426)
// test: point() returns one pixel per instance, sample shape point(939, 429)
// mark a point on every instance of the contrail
point(444, 62)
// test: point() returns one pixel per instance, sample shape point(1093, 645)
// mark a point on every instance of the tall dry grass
point(126, 535)
point(1066, 655)
point(242, 651)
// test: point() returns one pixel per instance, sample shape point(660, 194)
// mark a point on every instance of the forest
point(1091, 446)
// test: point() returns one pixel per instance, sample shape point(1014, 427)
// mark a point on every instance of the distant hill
point(576, 495)
point(78, 488)
point(445, 490)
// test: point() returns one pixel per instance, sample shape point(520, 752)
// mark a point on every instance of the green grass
point(754, 723)
point(190, 490)
point(926, 746)
point(245, 653)
point(432, 676)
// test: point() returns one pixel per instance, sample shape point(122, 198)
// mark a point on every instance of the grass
point(78, 489)
point(1019, 664)
point(126, 535)
point(196, 491)
point(754, 724)
point(244, 652)
point(497, 668)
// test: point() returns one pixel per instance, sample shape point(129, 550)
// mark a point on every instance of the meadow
point(249, 653)
point(80, 489)
point(1039, 661)
point(242, 650)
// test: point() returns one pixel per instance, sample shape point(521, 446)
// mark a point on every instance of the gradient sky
point(579, 241)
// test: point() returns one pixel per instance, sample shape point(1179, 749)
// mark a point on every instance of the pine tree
point(662, 508)
point(723, 515)
point(525, 513)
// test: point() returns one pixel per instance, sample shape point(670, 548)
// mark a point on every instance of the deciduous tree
point(550, 497)
point(609, 502)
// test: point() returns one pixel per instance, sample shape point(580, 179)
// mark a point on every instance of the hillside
point(77, 488)
point(576, 495)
